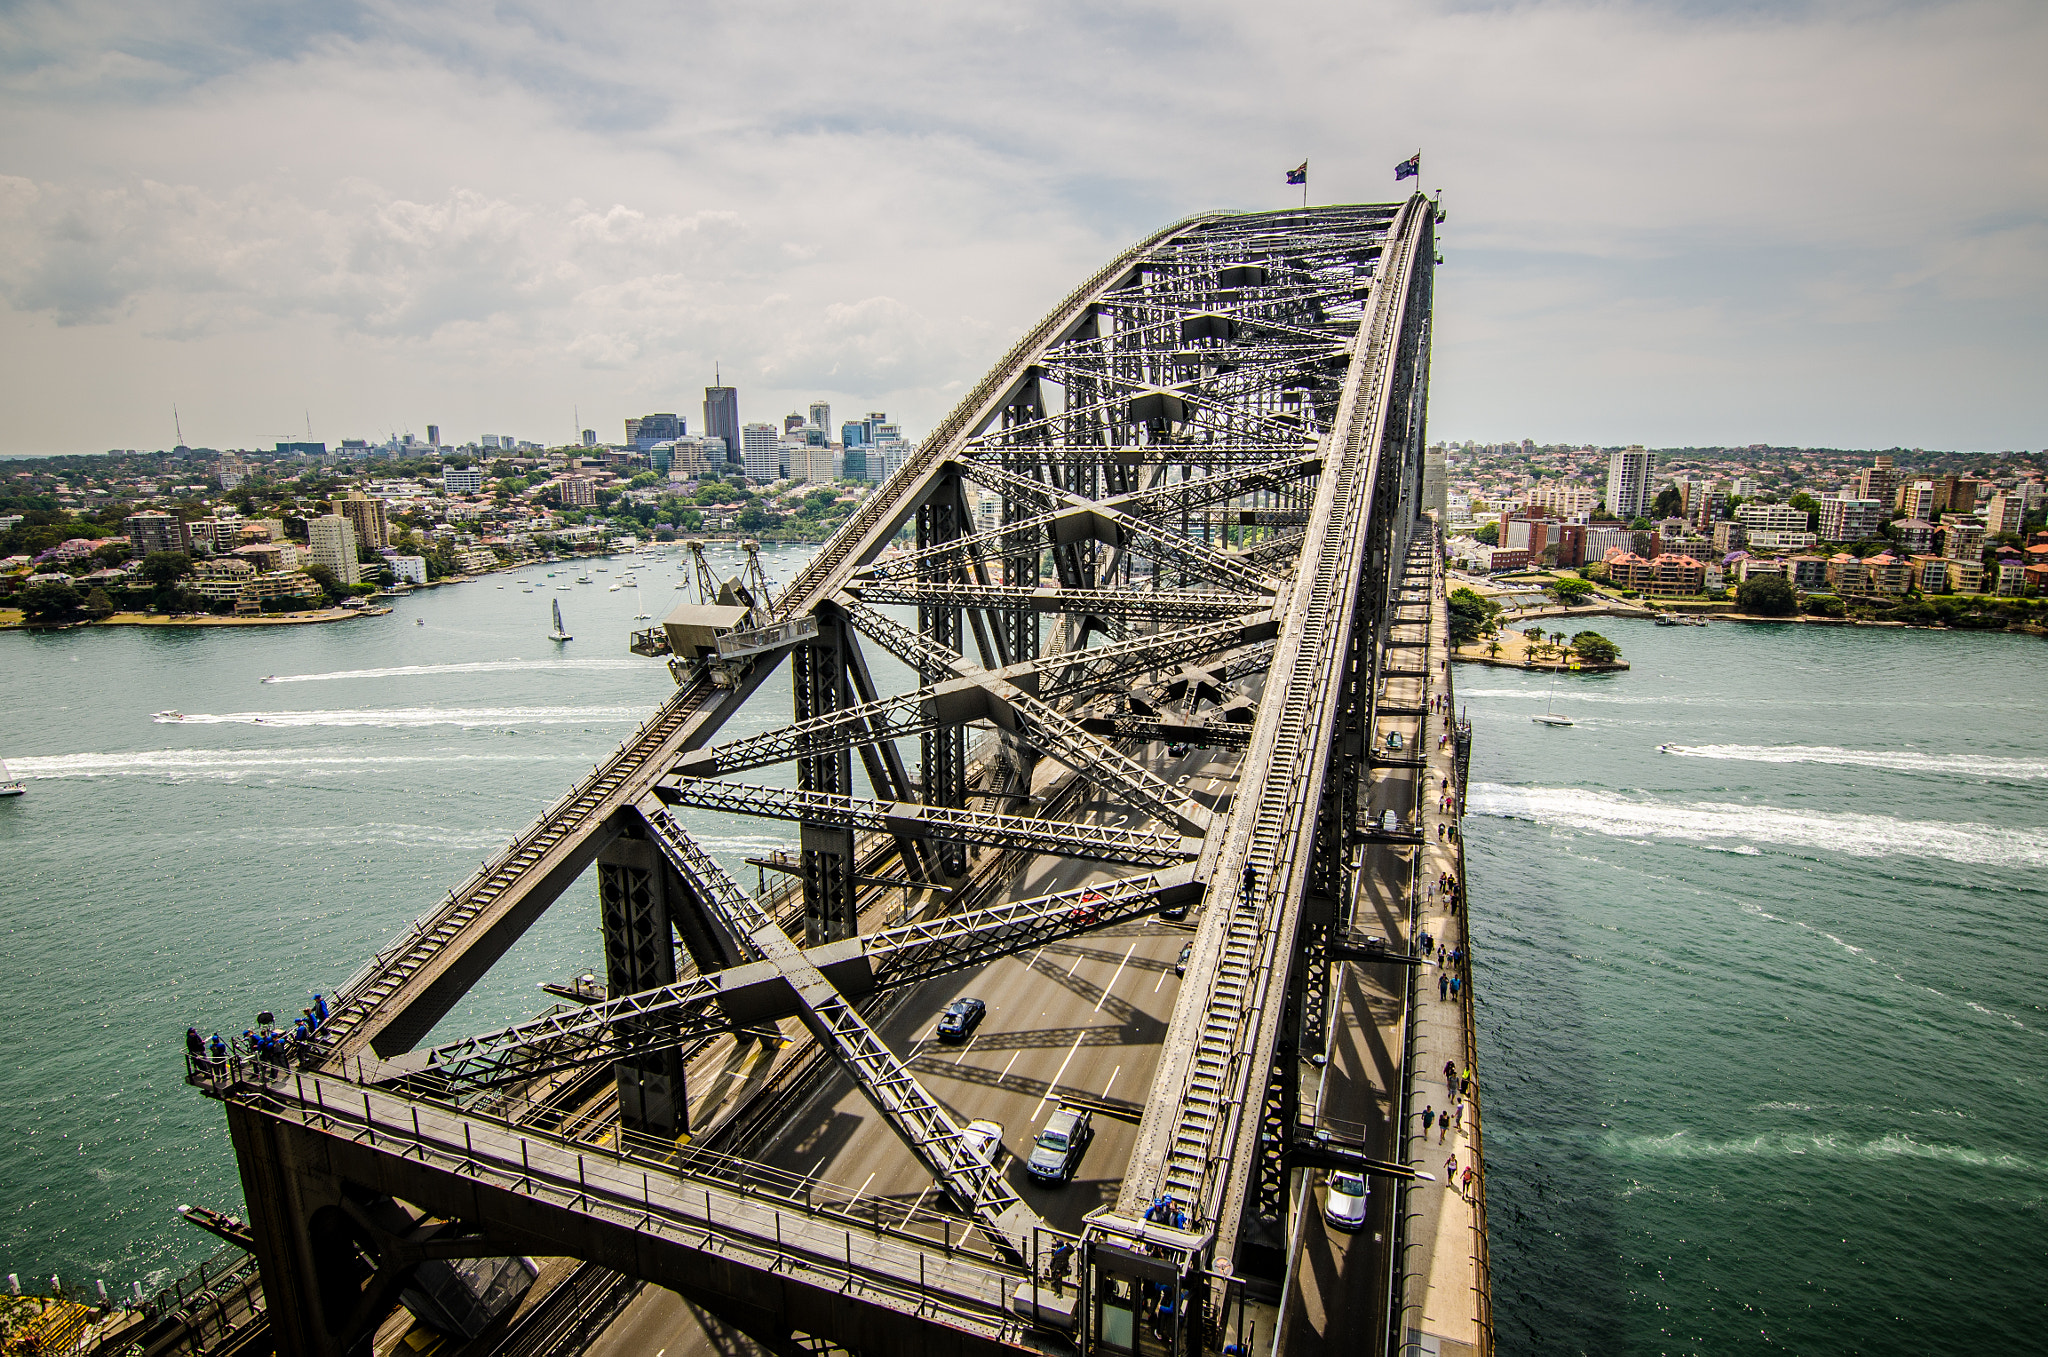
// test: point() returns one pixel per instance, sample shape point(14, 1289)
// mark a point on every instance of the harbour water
point(1764, 1032)
point(1763, 1024)
point(161, 874)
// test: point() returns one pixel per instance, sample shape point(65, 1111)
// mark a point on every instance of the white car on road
point(1344, 1204)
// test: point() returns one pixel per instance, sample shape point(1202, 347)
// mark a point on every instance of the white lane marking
point(919, 1204)
point(1112, 980)
point(1077, 962)
point(1013, 1060)
point(1112, 1080)
point(968, 1047)
point(1160, 981)
point(863, 1189)
point(1057, 1077)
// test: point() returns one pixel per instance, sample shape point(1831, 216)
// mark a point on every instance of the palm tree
point(1493, 647)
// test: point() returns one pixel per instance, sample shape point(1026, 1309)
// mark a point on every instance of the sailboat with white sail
point(9, 784)
point(560, 633)
point(1551, 716)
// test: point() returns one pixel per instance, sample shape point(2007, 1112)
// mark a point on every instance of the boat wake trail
point(1897, 1145)
point(229, 764)
point(1712, 823)
point(1895, 760)
point(467, 667)
point(402, 717)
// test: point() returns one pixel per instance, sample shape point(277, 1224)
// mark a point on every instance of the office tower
point(644, 432)
point(590, 437)
point(853, 464)
point(1628, 484)
point(462, 480)
point(722, 417)
point(366, 516)
point(334, 546)
point(853, 434)
point(761, 452)
point(821, 417)
point(792, 421)
point(433, 435)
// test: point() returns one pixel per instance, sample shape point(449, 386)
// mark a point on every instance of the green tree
point(1802, 500)
point(1824, 605)
point(1570, 591)
point(1594, 648)
point(1766, 596)
point(98, 605)
point(1472, 616)
point(753, 518)
point(51, 601)
point(113, 553)
point(645, 480)
point(165, 568)
point(1488, 534)
point(330, 583)
point(1667, 502)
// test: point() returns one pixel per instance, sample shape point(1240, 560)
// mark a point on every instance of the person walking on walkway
point(1428, 1117)
point(1443, 1127)
point(1469, 1175)
point(1451, 1074)
point(1443, 986)
point(1451, 1171)
point(1062, 1259)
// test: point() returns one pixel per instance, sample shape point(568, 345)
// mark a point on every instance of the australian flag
point(1411, 168)
point(1298, 175)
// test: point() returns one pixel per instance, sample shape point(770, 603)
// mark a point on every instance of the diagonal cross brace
point(925, 1127)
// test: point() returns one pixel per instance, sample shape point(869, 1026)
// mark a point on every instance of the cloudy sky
point(1674, 223)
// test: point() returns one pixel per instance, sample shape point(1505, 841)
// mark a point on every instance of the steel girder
point(1057, 838)
point(1163, 606)
point(949, 706)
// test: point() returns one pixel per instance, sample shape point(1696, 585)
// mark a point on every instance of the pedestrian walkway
point(1446, 1296)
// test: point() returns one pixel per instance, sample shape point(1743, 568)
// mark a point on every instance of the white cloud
point(1668, 223)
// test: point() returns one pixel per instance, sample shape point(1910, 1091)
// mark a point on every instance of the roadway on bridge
point(1082, 1016)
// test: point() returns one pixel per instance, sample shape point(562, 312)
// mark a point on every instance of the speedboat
point(419, 621)
point(268, 678)
point(167, 716)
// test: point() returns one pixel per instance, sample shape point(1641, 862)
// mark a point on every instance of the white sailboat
point(1550, 715)
point(9, 786)
point(560, 633)
point(639, 608)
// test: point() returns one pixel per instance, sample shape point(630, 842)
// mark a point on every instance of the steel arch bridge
point(1175, 515)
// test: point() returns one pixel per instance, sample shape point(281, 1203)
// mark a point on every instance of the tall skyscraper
point(1628, 484)
point(821, 417)
point(722, 416)
point(433, 435)
point(792, 421)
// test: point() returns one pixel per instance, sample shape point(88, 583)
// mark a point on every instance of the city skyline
point(364, 214)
